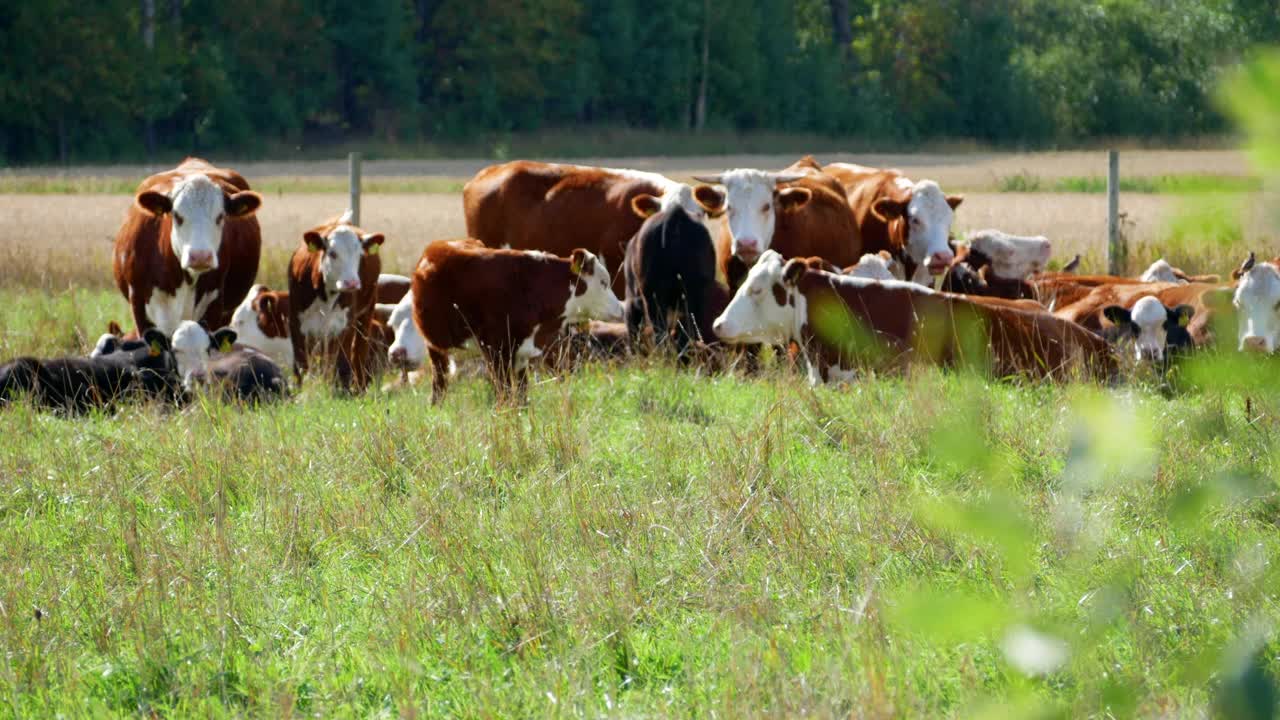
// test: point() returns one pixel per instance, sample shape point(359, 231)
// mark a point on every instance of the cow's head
point(408, 350)
point(1156, 330)
point(259, 320)
point(591, 294)
point(1257, 304)
point(192, 346)
point(877, 266)
point(752, 202)
point(1160, 271)
point(199, 208)
point(927, 215)
point(764, 308)
point(700, 203)
point(344, 247)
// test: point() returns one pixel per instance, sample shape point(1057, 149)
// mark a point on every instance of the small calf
point(118, 370)
point(214, 360)
point(1158, 332)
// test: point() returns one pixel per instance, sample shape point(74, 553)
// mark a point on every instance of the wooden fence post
point(1117, 252)
point(353, 175)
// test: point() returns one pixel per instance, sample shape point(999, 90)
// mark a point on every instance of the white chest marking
point(168, 311)
point(527, 350)
point(323, 319)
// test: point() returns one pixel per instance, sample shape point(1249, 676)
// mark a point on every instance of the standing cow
point(333, 285)
point(556, 208)
point(189, 247)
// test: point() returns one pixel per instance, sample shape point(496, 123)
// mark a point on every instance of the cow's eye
point(333, 254)
point(219, 218)
point(178, 218)
point(767, 207)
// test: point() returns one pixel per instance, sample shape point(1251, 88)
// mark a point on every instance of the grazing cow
point(912, 220)
point(1186, 310)
point(877, 266)
point(119, 369)
point(189, 247)
point(512, 303)
point(216, 361)
point(842, 322)
point(798, 212)
point(994, 263)
point(1257, 305)
point(670, 268)
point(555, 208)
point(333, 279)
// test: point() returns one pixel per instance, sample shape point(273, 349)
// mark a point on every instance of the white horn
point(710, 179)
point(787, 177)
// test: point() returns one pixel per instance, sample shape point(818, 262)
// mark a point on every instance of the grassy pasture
point(639, 541)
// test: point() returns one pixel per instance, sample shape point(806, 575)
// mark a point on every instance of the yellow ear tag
point(373, 249)
point(575, 267)
point(154, 349)
point(1183, 320)
point(225, 346)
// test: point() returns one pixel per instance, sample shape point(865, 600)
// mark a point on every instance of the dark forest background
point(127, 79)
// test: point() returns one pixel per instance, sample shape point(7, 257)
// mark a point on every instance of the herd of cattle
point(836, 266)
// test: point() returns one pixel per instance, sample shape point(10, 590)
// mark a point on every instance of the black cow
point(117, 371)
point(670, 270)
point(213, 359)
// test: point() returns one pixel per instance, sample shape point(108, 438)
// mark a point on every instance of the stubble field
point(642, 541)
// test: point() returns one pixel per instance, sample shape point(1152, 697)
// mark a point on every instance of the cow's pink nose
point(349, 284)
point(940, 261)
point(200, 259)
point(1255, 343)
point(748, 248)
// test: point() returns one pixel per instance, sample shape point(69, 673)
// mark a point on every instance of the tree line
point(125, 79)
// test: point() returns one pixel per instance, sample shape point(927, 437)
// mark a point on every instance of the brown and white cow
point(842, 323)
point(556, 208)
point(996, 264)
point(512, 303)
point(189, 247)
point(333, 285)
point(910, 219)
point(1257, 305)
point(1180, 316)
point(798, 212)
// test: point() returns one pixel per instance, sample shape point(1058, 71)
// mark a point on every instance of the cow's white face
point(1012, 257)
point(591, 294)
point(409, 349)
point(873, 266)
point(1257, 303)
point(199, 209)
point(752, 201)
point(929, 216)
point(343, 249)
point(1149, 315)
point(764, 309)
point(682, 196)
point(1160, 271)
point(192, 347)
point(245, 319)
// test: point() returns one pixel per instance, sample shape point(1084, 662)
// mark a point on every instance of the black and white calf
point(118, 370)
point(216, 361)
point(1157, 332)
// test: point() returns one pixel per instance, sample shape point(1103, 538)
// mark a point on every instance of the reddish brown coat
point(1088, 310)
point(143, 259)
point(350, 354)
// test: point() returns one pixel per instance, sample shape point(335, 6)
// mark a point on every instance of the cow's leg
point(360, 356)
point(138, 306)
point(439, 374)
point(344, 365)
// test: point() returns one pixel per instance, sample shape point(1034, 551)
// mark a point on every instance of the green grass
point(637, 542)
point(1183, 184)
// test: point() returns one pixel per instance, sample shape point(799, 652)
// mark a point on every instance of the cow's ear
point(314, 240)
point(373, 243)
point(156, 341)
point(711, 199)
point(242, 204)
point(113, 328)
point(792, 272)
point(888, 256)
point(1182, 314)
point(154, 202)
point(793, 198)
point(265, 303)
point(222, 340)
point(645, 205)
point(886, 209)
point(1117, 315)
point(954, 201)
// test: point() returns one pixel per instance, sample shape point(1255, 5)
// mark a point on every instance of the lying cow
point(1162, 271)
point(670, 270)
point(877, 266)
point(842, 323)
point(996, 264)
point(1160, 317)
point(1257, 305)
point(216, 361)
point(512, 303)
point(333, 278)
point(119, 370)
